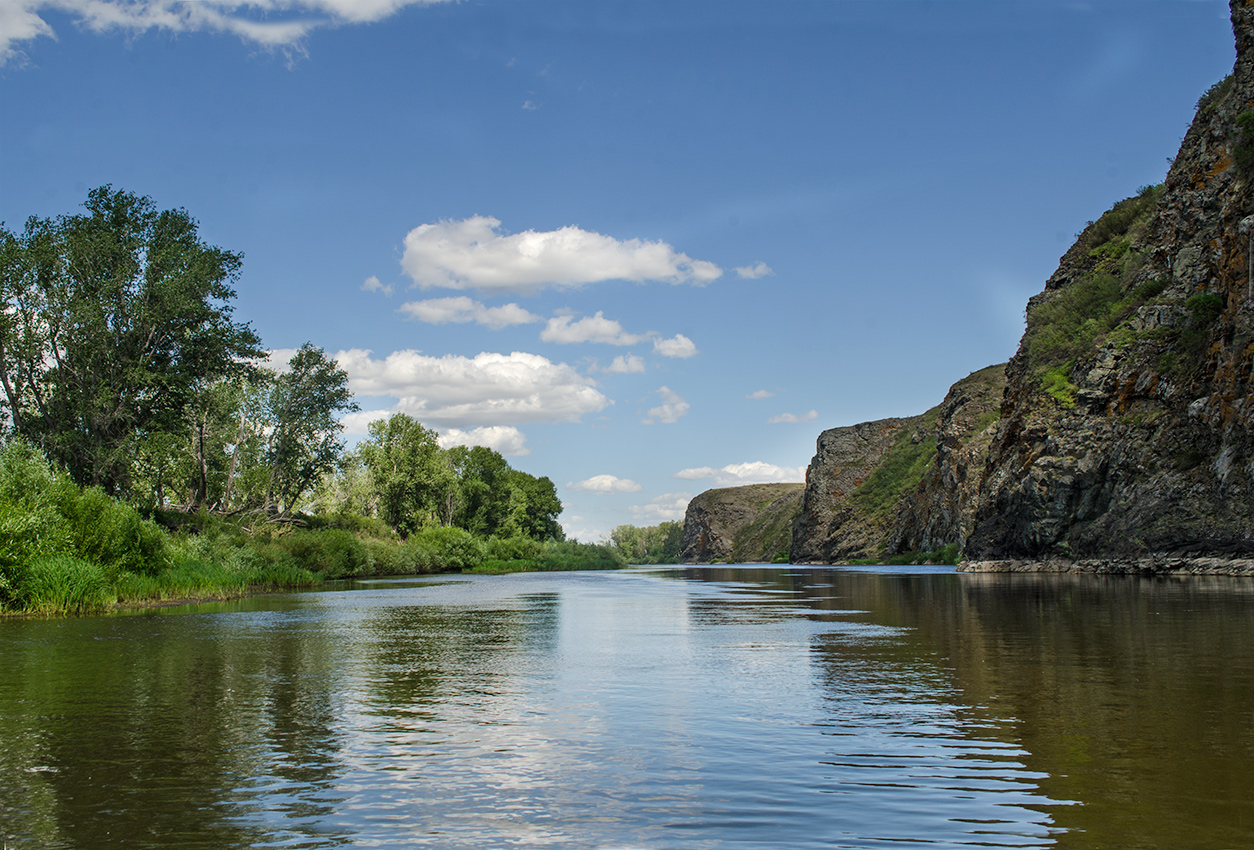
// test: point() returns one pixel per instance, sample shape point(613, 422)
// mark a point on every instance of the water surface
point(746, 707)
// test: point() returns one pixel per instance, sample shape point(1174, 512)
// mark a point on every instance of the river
point(713, 707)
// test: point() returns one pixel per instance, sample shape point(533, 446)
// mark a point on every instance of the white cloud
point(372, 284)
point(505, 439)
point(669, 506)
point(605, 484)
point(266, 23)
point(677, 346)
point(670, 410)
point(530, 105)
point(793, 418)
point(473, 254)
point(760, 394)
point(754, 271)
point(465, 392)
point(460, 309)
point(753, 472)
point(625, 364)
point(358, 424)
point(564, 331)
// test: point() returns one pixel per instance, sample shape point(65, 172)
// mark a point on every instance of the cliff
point(750, 524)
point(899, 486)
point(1120, 436)
point(1126, 438)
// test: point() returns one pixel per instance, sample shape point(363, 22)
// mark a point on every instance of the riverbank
point(1148, 565)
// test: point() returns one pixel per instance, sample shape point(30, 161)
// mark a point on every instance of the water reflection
point(697, 707)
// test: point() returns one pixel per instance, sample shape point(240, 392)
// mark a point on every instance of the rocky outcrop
point(1139, 449)
point(751, 524)
point(1120, 437)
point(899, 485)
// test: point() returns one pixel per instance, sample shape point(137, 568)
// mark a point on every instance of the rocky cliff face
point(1126, 438)
point(899, 485)
point(1120, 437)
point(750, 524)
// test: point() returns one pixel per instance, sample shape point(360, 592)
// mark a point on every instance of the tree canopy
point(112, 320)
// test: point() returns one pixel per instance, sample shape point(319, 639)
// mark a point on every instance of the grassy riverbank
point(70, 550)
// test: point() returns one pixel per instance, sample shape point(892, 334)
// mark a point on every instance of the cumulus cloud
point(565, 330)
point(753, 472)
point(793, 418)
point(625, 364)
point(756, 394)
point(358, 424)
point(372, 284)
point(677, 346)
point(460, 309)
point(670, 410)
point(668, 506)
point(466, 392)
point(505, 439)
point(754, 271)
point(605, 484)
point(265, 23)
point(474, 253)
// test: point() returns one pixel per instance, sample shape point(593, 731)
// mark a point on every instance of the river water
point(722, 707)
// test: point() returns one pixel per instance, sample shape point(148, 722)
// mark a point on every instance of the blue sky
point(643, 248)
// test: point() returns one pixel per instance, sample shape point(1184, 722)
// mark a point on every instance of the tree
point(497, 500)
point(111, 321)
point(411, 475)
point(652, 544)
point(304, 441)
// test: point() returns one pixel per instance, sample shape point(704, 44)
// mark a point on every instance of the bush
point(112, 534)
point(450, 549)
point(573, 555)
point(333, 552)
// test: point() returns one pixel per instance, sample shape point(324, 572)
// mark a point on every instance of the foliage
point(412, 480)
point(900, 469)
point(496, 500)
point(304, 402)
point(112, 319)
point(653, 544)
point(53, 584)
point(1243, 148)
point(1057, 382)
point(1211, 98)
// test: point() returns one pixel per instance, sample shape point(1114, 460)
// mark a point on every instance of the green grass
point(900, 470)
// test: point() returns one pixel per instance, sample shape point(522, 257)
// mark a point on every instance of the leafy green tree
point(304, 439)
point(411, 476)
point(653, 544)
point(112, 319)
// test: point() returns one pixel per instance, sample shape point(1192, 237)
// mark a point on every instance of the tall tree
point(304, 441)
point(111, 321)
point(409, 471)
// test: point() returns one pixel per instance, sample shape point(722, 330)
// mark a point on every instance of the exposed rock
point(749, 524)
point(1152, 460)
point(920, 475)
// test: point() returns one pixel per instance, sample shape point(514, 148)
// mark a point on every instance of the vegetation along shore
point(150, 451)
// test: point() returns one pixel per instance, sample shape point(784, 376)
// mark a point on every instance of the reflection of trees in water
point(146, 730)
point(417, 656)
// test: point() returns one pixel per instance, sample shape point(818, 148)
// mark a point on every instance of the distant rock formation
point(750, 524)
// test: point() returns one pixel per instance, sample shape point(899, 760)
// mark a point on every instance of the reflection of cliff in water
point(1133, 697)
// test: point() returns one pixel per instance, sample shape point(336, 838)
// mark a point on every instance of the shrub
point(333, 552)
point(435, 549)
point(112, 534)
point(573, 555)
point(1243, 147)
